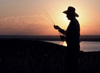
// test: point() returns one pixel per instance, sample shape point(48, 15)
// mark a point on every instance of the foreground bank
point(29, 56)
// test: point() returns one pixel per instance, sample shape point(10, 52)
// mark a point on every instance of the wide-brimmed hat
point(71, 10)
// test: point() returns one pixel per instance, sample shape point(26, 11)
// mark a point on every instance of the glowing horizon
point(24, 17)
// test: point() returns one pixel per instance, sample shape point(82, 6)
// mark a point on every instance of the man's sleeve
point(62, 31)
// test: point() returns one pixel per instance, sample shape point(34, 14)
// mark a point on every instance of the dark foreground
point(28, 56)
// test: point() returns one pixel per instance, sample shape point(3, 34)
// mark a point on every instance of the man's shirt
point(73, 32)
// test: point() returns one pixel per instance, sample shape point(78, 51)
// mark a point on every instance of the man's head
point(70, 12)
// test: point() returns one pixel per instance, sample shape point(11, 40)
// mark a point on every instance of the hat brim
point(66, 12)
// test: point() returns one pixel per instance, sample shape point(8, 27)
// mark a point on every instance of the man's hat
point(71, 10)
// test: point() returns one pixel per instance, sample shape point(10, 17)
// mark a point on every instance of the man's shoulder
point(74, 21)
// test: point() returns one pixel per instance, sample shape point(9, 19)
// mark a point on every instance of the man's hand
point(56, 27)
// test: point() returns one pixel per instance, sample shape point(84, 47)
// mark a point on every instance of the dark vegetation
point(29, 56)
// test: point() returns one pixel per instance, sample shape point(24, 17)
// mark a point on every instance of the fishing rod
point(49, 17)
point(61, 36)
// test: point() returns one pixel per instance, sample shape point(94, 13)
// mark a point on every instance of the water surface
point(85, 46)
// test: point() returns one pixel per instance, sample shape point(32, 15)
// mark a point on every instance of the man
point(72, 39)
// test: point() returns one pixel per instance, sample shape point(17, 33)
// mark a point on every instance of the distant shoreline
point(49, 38)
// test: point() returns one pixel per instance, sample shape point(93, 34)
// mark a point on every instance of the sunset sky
point(27, 17)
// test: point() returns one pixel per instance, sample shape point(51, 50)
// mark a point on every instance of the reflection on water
point(84, 46)
point(64, 43)
point(90, 46)
point(58, 42)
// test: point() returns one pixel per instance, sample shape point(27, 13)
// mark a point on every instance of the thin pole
point(49, 17)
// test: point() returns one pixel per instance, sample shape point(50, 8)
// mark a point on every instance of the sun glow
point(28, 18)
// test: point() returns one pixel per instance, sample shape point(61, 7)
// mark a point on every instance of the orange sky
point(26, 17)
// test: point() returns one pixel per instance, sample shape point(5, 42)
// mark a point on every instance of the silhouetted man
point(72, 39)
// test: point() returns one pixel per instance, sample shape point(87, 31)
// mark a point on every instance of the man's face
point(68, 16)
